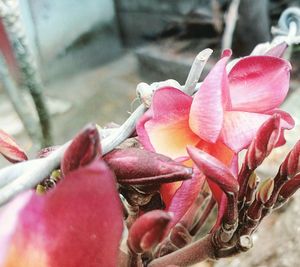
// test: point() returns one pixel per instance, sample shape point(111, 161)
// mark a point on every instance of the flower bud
point(290, 187)
point(148, 230)
point(83, 149)
point(263, 143)
point(253, 180)
point(265, 190)
point(214, 169)
point(291, 165)
point(140, 167)
point(10, 150)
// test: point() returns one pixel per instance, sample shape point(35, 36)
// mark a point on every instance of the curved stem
point(25, 175)
point(196, 252)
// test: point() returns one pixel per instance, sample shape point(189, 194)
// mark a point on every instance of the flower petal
point(286, 123)
point(206, 115)
point(70, 225)
point(165, 128)
point(240, 128)
point(259, 83)
point(278, 50)
point(185, 197)
point(9, 148)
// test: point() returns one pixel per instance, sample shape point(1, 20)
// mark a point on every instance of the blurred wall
point(70, 35)
point(142, 20)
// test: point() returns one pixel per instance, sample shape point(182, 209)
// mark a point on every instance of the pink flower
point(223, 116)
point(69, 226)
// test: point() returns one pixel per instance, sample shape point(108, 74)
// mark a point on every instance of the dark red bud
point(83, 149)
point(291, 165)
point(148, 230)
point(263, 143)
point(10, 150)
point(290, 187)
point(214, 169)
point(140, 167)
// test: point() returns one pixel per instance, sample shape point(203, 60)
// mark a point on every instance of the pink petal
point(240, 128)
point(206, 115)
point(165, 128)
point(185, 197)
point(259, 83)
point(286, 123)
point(9, 148)
point(72, 224)
point(278, 50)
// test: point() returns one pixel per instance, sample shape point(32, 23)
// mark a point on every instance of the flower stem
point(196, 252)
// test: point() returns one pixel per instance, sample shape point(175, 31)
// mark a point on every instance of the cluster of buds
point(158, 234)
point(248, 200)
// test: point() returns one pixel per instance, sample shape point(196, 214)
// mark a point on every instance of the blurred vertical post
point(253, 27)
point(18, 102)
point(10, 16)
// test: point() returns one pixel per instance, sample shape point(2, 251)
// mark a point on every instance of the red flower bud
point(214, 170)
point(290, 187)
point(263, 143)
point(10, 150)
point(83, 149)
point(291, 165)
point(148, 230)
point(139, 167)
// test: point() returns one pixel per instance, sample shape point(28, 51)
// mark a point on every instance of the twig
point(25, 175)
point(230, 23)
point(10, 15)
point(18, 102)
point(196, 70)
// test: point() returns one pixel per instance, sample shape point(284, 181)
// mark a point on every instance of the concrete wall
point(70, 35)
point(141, 19)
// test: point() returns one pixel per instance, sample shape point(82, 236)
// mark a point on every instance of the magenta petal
point(206, 115)
point(259, 83)
point(240, 128)
point(72, 224)
point(185, 197)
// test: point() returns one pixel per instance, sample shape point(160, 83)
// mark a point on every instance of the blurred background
point(82, 61)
